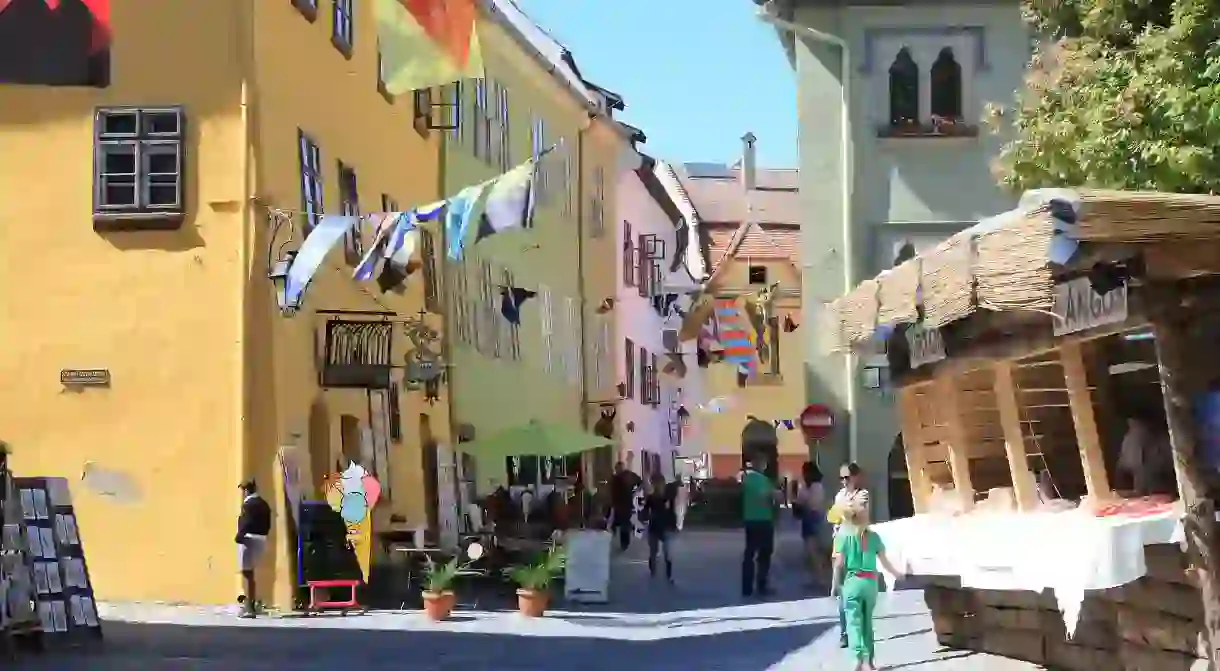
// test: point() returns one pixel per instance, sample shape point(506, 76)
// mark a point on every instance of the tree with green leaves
point(1120, 94)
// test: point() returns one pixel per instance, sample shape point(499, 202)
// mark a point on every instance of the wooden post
point(1023, 484)
point(956, 438)
point(913, 448)
point(1071, 354)
point(1170, 325)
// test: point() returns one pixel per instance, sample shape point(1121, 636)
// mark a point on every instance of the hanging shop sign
point(817, 422)
point(1078, 307)
point(926, 345)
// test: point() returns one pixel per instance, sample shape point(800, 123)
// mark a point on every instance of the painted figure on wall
point(353, 493)
point(55, 42)
point(760, 310)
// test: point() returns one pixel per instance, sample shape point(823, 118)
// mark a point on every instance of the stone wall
point(1153, 624)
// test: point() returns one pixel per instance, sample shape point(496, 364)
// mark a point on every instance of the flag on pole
point(426, 43)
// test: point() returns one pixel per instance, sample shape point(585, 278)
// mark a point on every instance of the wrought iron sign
point(357, 354)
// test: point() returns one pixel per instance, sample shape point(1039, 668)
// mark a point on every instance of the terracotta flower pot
point(531, 603)
point(438, 605)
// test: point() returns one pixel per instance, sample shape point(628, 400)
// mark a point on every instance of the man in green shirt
point(759, 501)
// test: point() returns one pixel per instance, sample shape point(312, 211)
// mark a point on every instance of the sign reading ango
point(1078, 307)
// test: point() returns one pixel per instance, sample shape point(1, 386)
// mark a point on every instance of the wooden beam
point(913, 448)
point(957, 439)
point(1087, 438)
point(1023, 484)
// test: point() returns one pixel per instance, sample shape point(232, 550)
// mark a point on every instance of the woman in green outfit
point(857, 549)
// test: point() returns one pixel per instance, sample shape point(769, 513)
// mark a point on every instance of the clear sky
point(696, 74)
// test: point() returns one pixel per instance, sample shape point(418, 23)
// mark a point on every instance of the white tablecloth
point(1068, 552)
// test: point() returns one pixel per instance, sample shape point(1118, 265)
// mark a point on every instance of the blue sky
point(696, 74)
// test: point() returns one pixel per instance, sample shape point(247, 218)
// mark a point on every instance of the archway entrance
point(900, 501)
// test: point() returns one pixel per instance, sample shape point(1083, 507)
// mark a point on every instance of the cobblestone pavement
point(700, 624)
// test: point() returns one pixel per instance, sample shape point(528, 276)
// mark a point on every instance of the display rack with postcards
point(66, 606)
point(17, 613)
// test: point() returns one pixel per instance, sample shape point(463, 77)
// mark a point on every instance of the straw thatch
point(898, 295)
point(1147, 216)
point(947, 282)
point(1011, 269)
point(858, 312)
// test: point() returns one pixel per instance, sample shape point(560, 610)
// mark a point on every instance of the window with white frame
point(538, 145)
point(546, 318)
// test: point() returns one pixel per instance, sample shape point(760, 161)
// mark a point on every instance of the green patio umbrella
point(539, 439)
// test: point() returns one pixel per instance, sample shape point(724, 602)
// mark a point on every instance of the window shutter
point(576, 370)
point(546, 317)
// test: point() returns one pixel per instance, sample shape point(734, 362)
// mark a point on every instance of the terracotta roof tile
point(764, 242)
point(721, 198)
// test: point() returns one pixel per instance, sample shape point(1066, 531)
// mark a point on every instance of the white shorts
point(250, 552)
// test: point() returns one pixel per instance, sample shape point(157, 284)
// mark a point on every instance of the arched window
point(904, 89)
point(947, 86)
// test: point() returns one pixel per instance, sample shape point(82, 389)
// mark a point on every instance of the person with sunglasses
point(851, 494)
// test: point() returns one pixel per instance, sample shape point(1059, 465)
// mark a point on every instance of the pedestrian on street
point(253, 527)
point(661, 516)
point(857, 550)
point(760, 499)
point(622, 494)
point(809, 509)
point(852, 493)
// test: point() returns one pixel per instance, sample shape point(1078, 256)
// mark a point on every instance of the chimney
point(747, 161)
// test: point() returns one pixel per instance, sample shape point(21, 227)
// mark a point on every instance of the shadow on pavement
point(156, 647)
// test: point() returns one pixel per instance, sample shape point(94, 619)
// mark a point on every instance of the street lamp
point(278, 274)
point(846, 178)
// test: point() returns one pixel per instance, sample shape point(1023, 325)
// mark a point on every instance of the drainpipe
point(580, 268)
point(845, 180)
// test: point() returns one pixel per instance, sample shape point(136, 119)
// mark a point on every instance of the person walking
point(253, 527)
point(851, 493)
point(857, 550)
point(622, 493)
point(760, 498)
point(660, 515)
point(808, 506)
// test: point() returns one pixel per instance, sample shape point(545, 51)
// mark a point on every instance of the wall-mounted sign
point(926, 345)
point(89, 377)
point(1078, 307)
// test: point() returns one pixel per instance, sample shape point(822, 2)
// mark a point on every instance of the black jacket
point(255, 518)
point(660, 511)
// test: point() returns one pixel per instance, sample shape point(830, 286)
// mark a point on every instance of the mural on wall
point(353, 493)
point(55, 42)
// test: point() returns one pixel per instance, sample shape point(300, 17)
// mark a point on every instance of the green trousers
point(859, 602)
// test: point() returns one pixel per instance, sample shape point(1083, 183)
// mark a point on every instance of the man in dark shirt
point(253, 527)
point(622, 492)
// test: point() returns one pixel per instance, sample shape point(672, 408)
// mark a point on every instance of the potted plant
point(534, 581)
point(438, 593)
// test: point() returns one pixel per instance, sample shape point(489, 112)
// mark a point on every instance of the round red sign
point(817, 421)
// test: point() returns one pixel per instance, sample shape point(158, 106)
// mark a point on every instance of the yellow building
point(556, 364)
point(751, 240)
point(143, 250)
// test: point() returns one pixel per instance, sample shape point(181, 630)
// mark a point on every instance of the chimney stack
point(747, 161)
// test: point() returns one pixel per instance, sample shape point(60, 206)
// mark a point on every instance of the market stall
point(1050, 366)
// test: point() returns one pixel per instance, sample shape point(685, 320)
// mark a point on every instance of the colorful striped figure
point(737, 335)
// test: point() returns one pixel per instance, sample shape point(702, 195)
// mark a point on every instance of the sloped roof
point(715, 191)
point(767, 242)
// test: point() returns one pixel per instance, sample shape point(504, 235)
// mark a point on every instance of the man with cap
point(253, 527)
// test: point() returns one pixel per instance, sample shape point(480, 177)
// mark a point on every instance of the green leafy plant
point(537, 576)
point(439, 577)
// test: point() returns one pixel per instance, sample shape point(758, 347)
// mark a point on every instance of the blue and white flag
point(462, 208)
point(510, 203)
point(384, 228)
point(323, 238)
point(402, 240)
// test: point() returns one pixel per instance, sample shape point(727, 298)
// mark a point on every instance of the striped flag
point(736, 334)
point(426, 43)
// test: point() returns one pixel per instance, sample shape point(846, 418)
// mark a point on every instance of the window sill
point(307, 9)
point(110, 222)
point(958, 131)
point(342, 45)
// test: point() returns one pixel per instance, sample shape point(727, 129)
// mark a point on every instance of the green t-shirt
point(758, 497)
point(859, 550)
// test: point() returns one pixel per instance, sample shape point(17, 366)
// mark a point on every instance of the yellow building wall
point(766, 401)
point(303, 82)
point(490, 393)
point(160, 310)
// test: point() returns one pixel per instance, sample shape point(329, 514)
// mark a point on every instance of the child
point(662, 522)
point(857, 549)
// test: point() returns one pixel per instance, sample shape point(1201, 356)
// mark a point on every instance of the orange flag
point(427, 43)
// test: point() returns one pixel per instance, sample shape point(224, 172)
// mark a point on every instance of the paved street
point(699, 624)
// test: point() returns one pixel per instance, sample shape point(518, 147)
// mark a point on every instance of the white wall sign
point(1078, 307)
point(926, 345)
point(587, 569)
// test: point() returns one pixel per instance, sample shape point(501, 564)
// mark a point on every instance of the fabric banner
point(426, 43)
point(462, 208)
point(323, 238)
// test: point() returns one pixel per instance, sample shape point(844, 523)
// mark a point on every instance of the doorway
point(900, 502)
